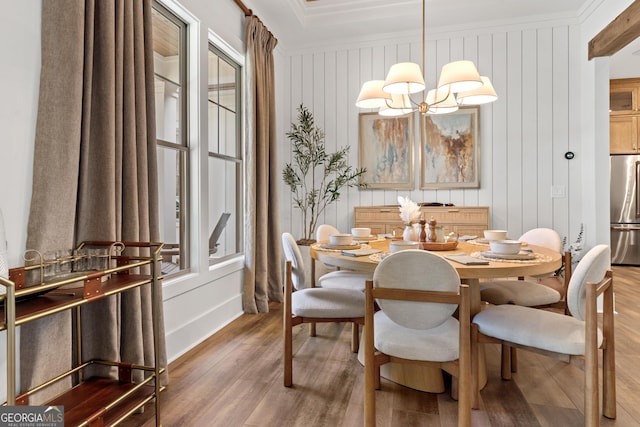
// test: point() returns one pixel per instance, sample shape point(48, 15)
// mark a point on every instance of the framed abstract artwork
point(386, 151)
point(450, 150)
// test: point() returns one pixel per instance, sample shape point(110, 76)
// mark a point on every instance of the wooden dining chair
point(323, 232)
point(562, 336)
point(528, 292)
point(341, 279)
point(314, 305)
point(548, 291)
point(417, 293)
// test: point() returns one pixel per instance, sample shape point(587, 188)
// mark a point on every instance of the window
point(225, 156)
point(170, 64)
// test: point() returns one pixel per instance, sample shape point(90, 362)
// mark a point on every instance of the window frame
point(230, 56)
point(182, 147)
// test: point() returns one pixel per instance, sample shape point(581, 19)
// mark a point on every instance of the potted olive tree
point(315, 177)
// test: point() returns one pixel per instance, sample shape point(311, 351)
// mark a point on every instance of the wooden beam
point(619, 33)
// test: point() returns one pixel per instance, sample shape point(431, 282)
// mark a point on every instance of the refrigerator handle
point(625, 228)
point(637, 185)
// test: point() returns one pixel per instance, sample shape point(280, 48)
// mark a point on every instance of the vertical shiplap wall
point(523, 136)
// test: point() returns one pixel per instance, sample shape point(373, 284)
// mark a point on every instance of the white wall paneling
point(529, 127)
point(560, 129)
point(523, 136)
point(545, 124)
point(514, 102)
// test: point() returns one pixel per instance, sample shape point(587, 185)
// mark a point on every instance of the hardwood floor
point(235, 379)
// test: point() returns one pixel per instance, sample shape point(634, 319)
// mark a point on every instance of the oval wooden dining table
point(430, 379)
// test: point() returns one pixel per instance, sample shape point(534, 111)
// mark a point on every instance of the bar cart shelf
point(94, 401)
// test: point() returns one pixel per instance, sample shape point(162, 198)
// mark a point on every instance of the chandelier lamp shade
point(459, 84)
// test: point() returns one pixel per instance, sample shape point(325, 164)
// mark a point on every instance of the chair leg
point(312, 329)
point(514, 359)
point(591, 387)
point(369, 395)
point(355, 337)
point(454, 388)
point(608, 383)
point(608, 356)
point(371, 368)
point(288, 354)
point(505, 363)
point(475, 366)
point(287, 332)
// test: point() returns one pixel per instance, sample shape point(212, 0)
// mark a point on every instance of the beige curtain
point(94, 174)
point(263, 266)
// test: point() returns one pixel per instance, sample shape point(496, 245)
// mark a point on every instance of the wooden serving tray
point(365, 239)
point(439, 246)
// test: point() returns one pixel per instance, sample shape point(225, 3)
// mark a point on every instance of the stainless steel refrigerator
point(625, 209)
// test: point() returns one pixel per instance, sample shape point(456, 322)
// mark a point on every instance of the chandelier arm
point(389, 103)
point(411, 100)
point(437, 102)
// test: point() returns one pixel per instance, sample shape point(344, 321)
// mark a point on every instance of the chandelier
point(459, 84)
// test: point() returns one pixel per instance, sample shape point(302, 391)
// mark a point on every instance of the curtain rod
point(249, 12)
point(245, 9)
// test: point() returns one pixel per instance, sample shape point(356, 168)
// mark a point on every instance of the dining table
point(546, 261)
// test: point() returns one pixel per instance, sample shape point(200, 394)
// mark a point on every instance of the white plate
point(519, 256)
point(353, 245)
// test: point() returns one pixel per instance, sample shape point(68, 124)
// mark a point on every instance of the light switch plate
point(558, 191)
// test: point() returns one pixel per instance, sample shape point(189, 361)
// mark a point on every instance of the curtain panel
point(95, 173)
point(263, 265)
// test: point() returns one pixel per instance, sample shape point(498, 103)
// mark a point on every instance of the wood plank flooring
point(235, 379)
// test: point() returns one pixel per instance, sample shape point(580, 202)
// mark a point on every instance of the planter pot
point(304, 246)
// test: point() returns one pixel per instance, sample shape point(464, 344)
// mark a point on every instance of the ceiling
point(299, 23)
point(302, 23)
point(626, 62)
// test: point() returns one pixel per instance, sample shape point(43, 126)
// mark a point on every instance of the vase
point(409, 234)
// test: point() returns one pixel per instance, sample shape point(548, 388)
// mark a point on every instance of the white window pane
point(229, 138)
point(213, 78)
point(223, 181)
point(227, 86)
point(169, 195)
point(214, 131)
point(170, 67)
point(168, 104)
point(166, 47)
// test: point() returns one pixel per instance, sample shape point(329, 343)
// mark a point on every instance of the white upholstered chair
point(324, 231)
point(314, 305)
point(322, 235)
point(563, 336)
point(528, 292)
point(327, 276)
point(418, 293)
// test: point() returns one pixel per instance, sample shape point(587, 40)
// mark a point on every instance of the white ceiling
point(626, 62)
point(300, 23)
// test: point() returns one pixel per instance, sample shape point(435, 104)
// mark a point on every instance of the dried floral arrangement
point(409, 210)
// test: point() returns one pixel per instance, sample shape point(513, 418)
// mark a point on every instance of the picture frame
point(386, 150)
point(450, 149)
